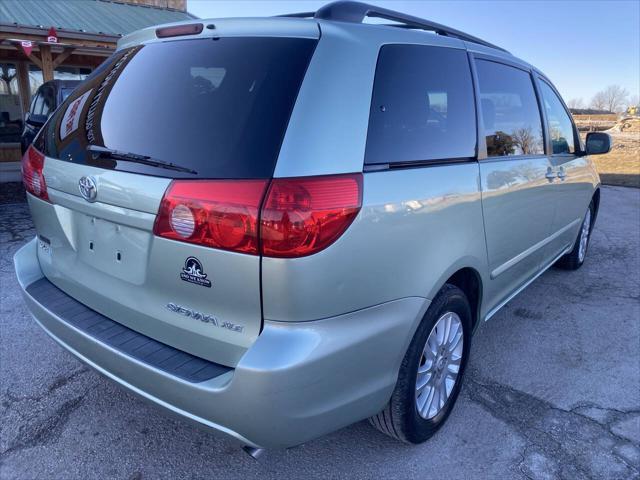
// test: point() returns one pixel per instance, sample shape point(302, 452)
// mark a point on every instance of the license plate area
point(118, 250)
point(44, 245)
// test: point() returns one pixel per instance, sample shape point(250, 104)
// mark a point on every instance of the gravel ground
point(12, 192)
point(552, 391)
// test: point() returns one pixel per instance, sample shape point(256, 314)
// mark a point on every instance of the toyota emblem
point(88, 188)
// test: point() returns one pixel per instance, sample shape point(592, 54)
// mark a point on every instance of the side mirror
point(598, 143)
point(36, 120)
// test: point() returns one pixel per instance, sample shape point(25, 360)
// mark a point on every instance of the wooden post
point(24, 87)
point(47, 62)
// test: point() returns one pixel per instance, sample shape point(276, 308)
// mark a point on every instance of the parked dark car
point(45, 101)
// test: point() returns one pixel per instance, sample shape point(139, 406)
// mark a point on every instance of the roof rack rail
point(356, 12)
point(298, 15)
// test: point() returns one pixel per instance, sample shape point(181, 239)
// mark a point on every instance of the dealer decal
point(193, 272)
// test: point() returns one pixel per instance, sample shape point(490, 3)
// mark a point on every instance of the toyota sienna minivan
point(277, 227)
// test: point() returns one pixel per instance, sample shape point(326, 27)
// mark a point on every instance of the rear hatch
point(167, 114)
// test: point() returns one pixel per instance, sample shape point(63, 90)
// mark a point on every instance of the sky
point(582, 46)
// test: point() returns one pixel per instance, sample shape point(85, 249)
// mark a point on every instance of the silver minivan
point(277, 227)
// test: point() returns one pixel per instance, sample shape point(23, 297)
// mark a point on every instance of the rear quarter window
point(422, 106)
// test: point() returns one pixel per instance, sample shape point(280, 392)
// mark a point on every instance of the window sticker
point(72, 115)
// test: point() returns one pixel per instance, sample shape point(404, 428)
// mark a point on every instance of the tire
point(575, 258)
point(401, 419)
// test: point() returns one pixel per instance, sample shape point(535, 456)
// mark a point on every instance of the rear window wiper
point(99, 151)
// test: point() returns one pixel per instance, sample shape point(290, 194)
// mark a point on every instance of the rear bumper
point(297, 382)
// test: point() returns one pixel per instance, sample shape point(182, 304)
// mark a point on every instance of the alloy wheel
point(584, 236)
point(439, 365)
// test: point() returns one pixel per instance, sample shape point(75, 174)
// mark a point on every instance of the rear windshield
point(216, 107)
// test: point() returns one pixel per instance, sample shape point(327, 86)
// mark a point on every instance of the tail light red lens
point(215, 213)
point(302, 216)
point(299, 216)
point(32, 176)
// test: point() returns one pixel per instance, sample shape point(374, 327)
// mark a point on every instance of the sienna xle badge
point(278, 227)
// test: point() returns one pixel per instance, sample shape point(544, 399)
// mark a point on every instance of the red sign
point(27, 47)
point(52, 36)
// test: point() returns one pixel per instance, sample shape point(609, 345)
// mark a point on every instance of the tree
point(634, 101)
point(599, 101)
point(576, 103)
point(613, 99)
point(500, 144)
point(526, 140)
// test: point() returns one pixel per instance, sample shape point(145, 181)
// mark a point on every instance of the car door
point(517, 195)
point(573, 184)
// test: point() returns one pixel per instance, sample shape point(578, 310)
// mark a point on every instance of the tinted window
point(48, 97)
point(216, 106)
point(560, 126)
point(422, 106)
point(510, 113)
point(36, 106)
point(65, 92)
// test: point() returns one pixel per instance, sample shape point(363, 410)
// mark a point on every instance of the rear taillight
point(302, 216)
point(32, 176)
point(215, 213)
point(299, 216)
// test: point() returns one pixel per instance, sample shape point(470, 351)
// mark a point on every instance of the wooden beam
point(32, 56)
point(24, 87)
point(72, 42)
point(47, 62)
point(61, 57)
point(77, 59)
point(34, 59)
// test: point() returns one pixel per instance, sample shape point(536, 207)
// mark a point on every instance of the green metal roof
point(90, 16)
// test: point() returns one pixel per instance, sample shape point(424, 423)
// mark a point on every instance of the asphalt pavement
point(552, 391)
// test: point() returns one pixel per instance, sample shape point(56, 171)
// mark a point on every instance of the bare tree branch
point(576, 103)
point(599, 101)
point(613, 99)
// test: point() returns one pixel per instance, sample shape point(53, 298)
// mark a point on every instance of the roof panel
point(91, 16)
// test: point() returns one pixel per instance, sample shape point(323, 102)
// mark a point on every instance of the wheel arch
point(596, 205)
point(468, 279)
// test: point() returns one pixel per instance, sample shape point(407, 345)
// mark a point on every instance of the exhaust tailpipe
point(253, 452)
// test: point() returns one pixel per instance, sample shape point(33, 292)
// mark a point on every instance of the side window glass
point(37, 104)
point(32, 107)
point(48, 101)
point(560, 126)
point(510, 114)
point(422, 106)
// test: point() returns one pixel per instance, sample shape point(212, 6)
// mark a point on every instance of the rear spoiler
point(231, 27)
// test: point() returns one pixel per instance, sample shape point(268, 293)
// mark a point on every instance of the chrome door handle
point(562, 174)
point(550, 175)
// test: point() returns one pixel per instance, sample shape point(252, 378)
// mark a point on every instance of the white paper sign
point(72, 115)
